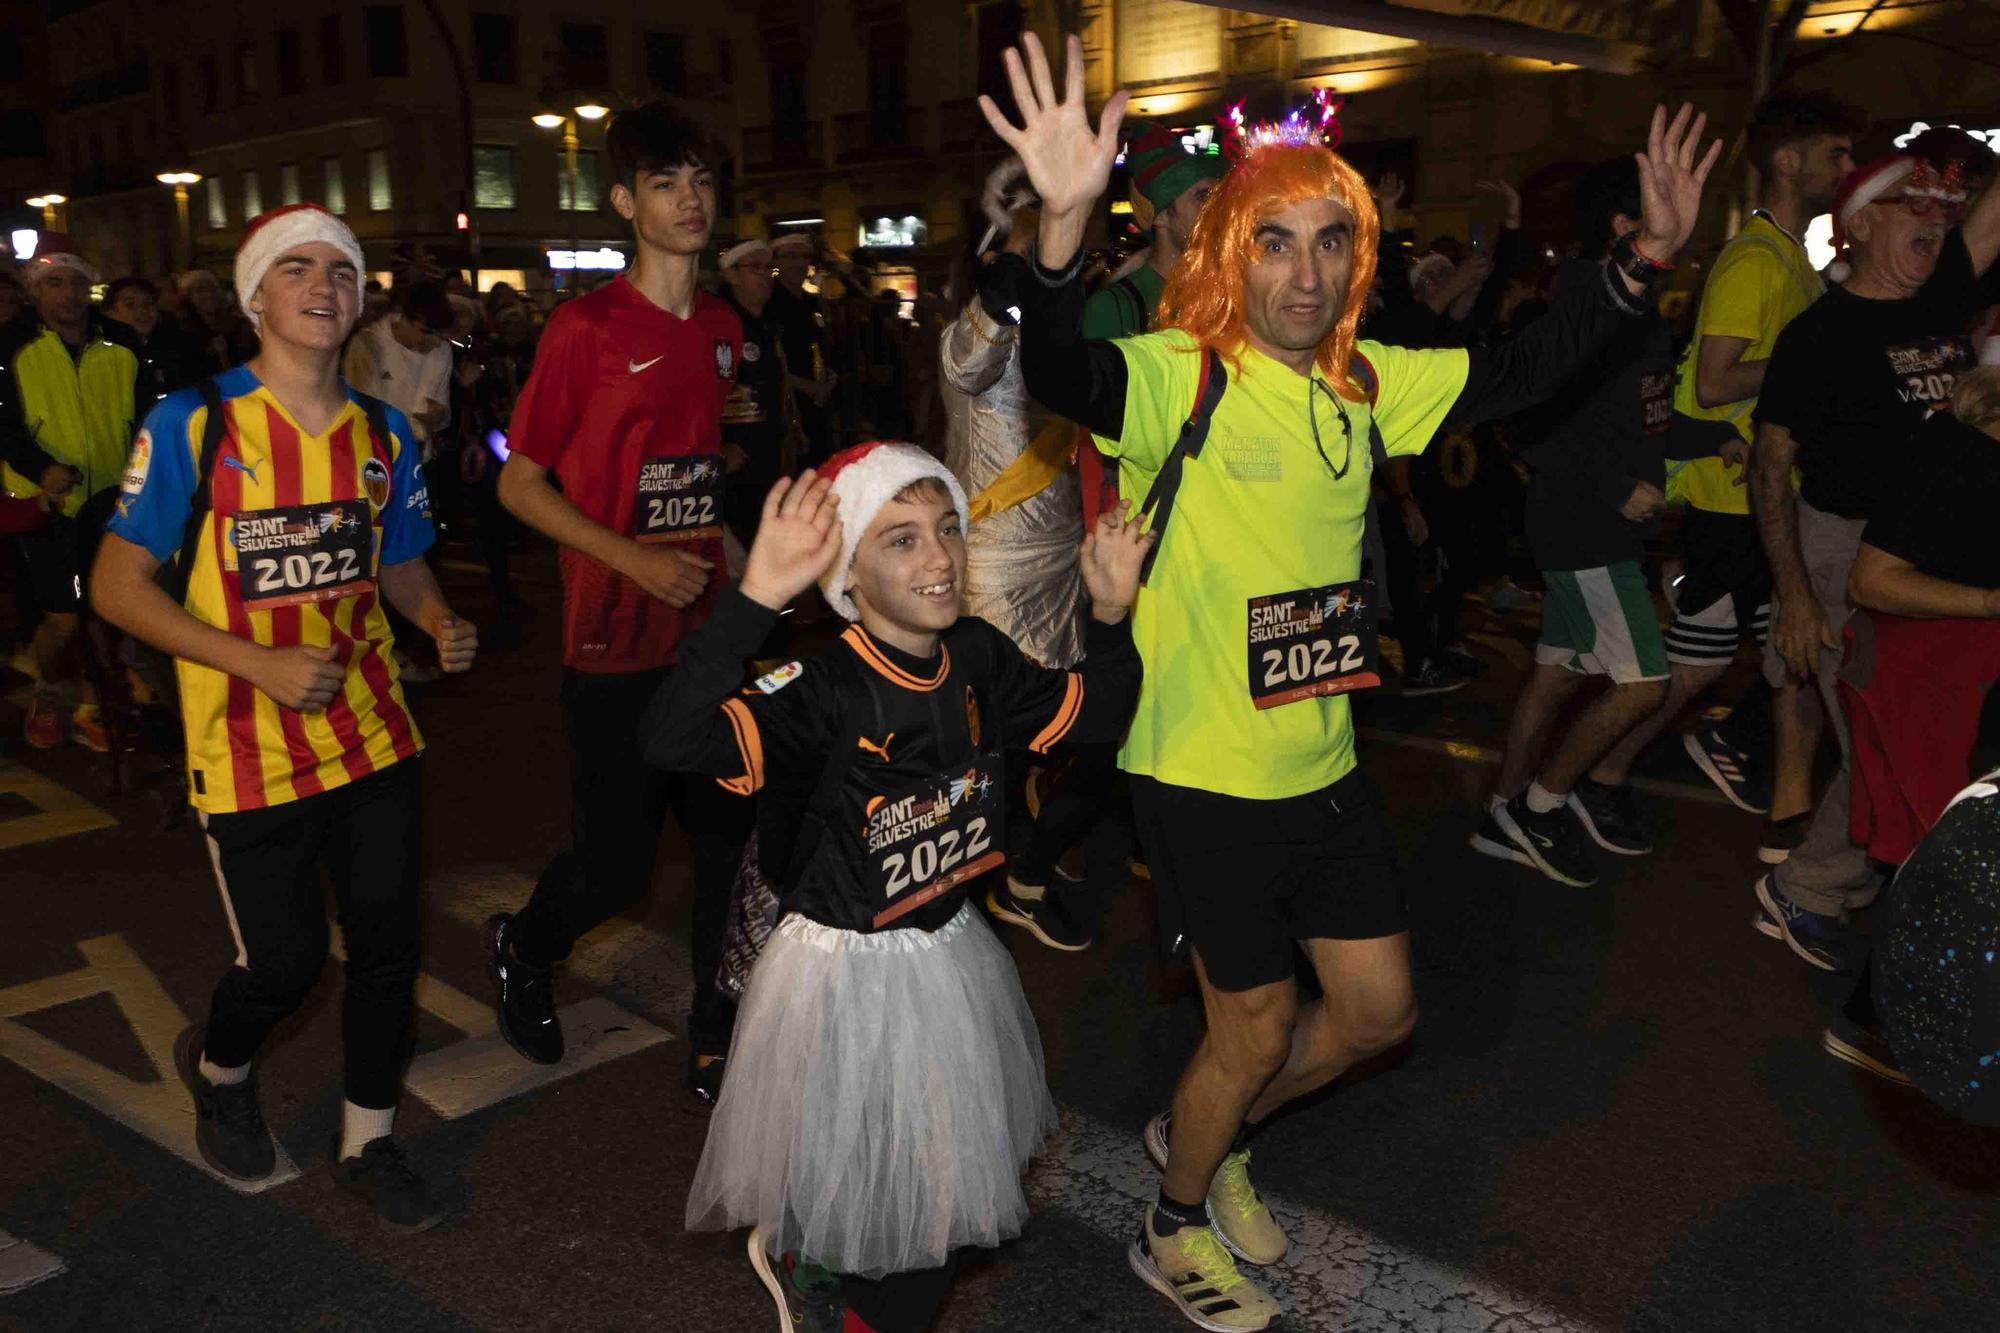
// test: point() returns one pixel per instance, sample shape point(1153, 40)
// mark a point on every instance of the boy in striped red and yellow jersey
point(293, 507)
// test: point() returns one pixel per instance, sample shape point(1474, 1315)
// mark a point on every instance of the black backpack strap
point(377, 413)
point(212, 427)
point(1363, 372)
point(1194, 433)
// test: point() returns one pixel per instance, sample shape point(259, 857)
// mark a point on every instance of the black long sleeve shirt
point(896, 722)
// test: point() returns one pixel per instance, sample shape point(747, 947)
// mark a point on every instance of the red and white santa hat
point(1862, 187)
point(866, 477)
point(270, 236)
point(55, 250)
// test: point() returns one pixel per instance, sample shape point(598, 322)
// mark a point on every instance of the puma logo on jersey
point(636, 366)
point(248, 468)
point(873, 748)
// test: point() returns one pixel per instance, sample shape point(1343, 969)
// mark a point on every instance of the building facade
point(857, 119)
point(398, 116)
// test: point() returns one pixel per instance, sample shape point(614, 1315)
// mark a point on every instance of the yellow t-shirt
point(1258, 513)
point(1761, 281)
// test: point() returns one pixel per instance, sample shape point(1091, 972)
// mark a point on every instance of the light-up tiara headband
point(1318, 122)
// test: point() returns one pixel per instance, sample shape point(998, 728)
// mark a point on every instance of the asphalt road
point(1615, 1113)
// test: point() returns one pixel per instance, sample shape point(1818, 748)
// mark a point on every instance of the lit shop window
point(900, 232)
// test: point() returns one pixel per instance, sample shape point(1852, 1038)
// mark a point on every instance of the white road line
point(23, 1264)
point(1337, 1277)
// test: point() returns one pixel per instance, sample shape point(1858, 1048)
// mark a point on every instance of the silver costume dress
point(1022, 574)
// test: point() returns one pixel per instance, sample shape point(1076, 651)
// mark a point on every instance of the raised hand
point(798, 538)
point(1509, 197)
point(1112, 556)
point(1671, 179)
point(1388, 198)
point(1068, 163)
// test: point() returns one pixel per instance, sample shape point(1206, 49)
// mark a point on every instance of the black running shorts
point(49, 556)
point(1240, 880)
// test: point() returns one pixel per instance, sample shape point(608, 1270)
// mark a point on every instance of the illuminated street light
point(566, 122)
point(549, 120)
point(48, 204)
point(592, 111)
point(180, 180)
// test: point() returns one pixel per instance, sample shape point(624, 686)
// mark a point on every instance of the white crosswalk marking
point(1336, 1278)
point(22, 1264)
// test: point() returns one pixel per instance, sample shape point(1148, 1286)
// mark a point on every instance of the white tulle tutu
point(884, 1094)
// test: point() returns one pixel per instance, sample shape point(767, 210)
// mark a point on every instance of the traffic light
point(464, 221)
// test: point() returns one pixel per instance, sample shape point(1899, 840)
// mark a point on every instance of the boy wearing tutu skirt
point(886, 1089)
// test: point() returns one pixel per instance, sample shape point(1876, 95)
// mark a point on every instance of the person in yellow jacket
point(68, 406)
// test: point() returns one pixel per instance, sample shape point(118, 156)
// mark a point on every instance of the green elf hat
point(1162, 168)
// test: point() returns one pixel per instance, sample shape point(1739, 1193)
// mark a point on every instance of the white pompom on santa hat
point(865, 478)
point(271, 236)
point(1862, 187)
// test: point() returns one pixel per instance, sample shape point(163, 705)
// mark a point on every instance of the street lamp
point(48, 204)
point(566, 122)
point(180, 180)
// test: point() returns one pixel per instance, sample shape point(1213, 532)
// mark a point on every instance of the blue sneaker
point(1827, 942)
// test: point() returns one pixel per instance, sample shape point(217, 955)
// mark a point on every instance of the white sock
point(220, 1077)
point(1541, 800)
point(1027, 893)
point(360, 1127)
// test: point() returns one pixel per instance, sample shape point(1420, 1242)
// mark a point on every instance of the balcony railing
point(766, 149)
point(869, 136)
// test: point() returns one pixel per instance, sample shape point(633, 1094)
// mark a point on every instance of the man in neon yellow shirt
point(69, 402)
point(1801, 147)
point(1253, 422)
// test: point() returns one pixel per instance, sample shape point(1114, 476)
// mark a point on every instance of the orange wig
point(1204, 294)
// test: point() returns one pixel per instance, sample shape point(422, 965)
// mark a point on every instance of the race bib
point(679, 499)
point(1927, 370)
point(301, 553)
point(1311, 642)
point(926, 842)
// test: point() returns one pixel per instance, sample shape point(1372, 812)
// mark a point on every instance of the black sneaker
point(1044, 919)
point(381, 1178)
point(1611, 817)
point(1864, 1048)
point(1829, 943)
point(1728, 768)
point(1489, 839)
point(807, 1297)
point(1555, 842)
point(1431, 677)
point(1782, 837)
point(526, 1005)
point(704, 1080)
point(1457, 658)
point(229, 1128)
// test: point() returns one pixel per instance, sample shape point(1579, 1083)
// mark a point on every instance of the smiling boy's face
point(909, 566)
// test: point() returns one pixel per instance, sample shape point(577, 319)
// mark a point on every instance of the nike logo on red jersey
point(636, 366)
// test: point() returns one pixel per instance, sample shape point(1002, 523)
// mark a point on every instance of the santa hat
point(272, 235)
point(1007, 191)
point(1862, 187)
point(745, 252)
point(55, 250)
point(865, 478)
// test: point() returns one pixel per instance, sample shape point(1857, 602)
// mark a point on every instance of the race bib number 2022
point(679, 499)
point(302, 553)
point(924, 843)
point(1312, 642)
